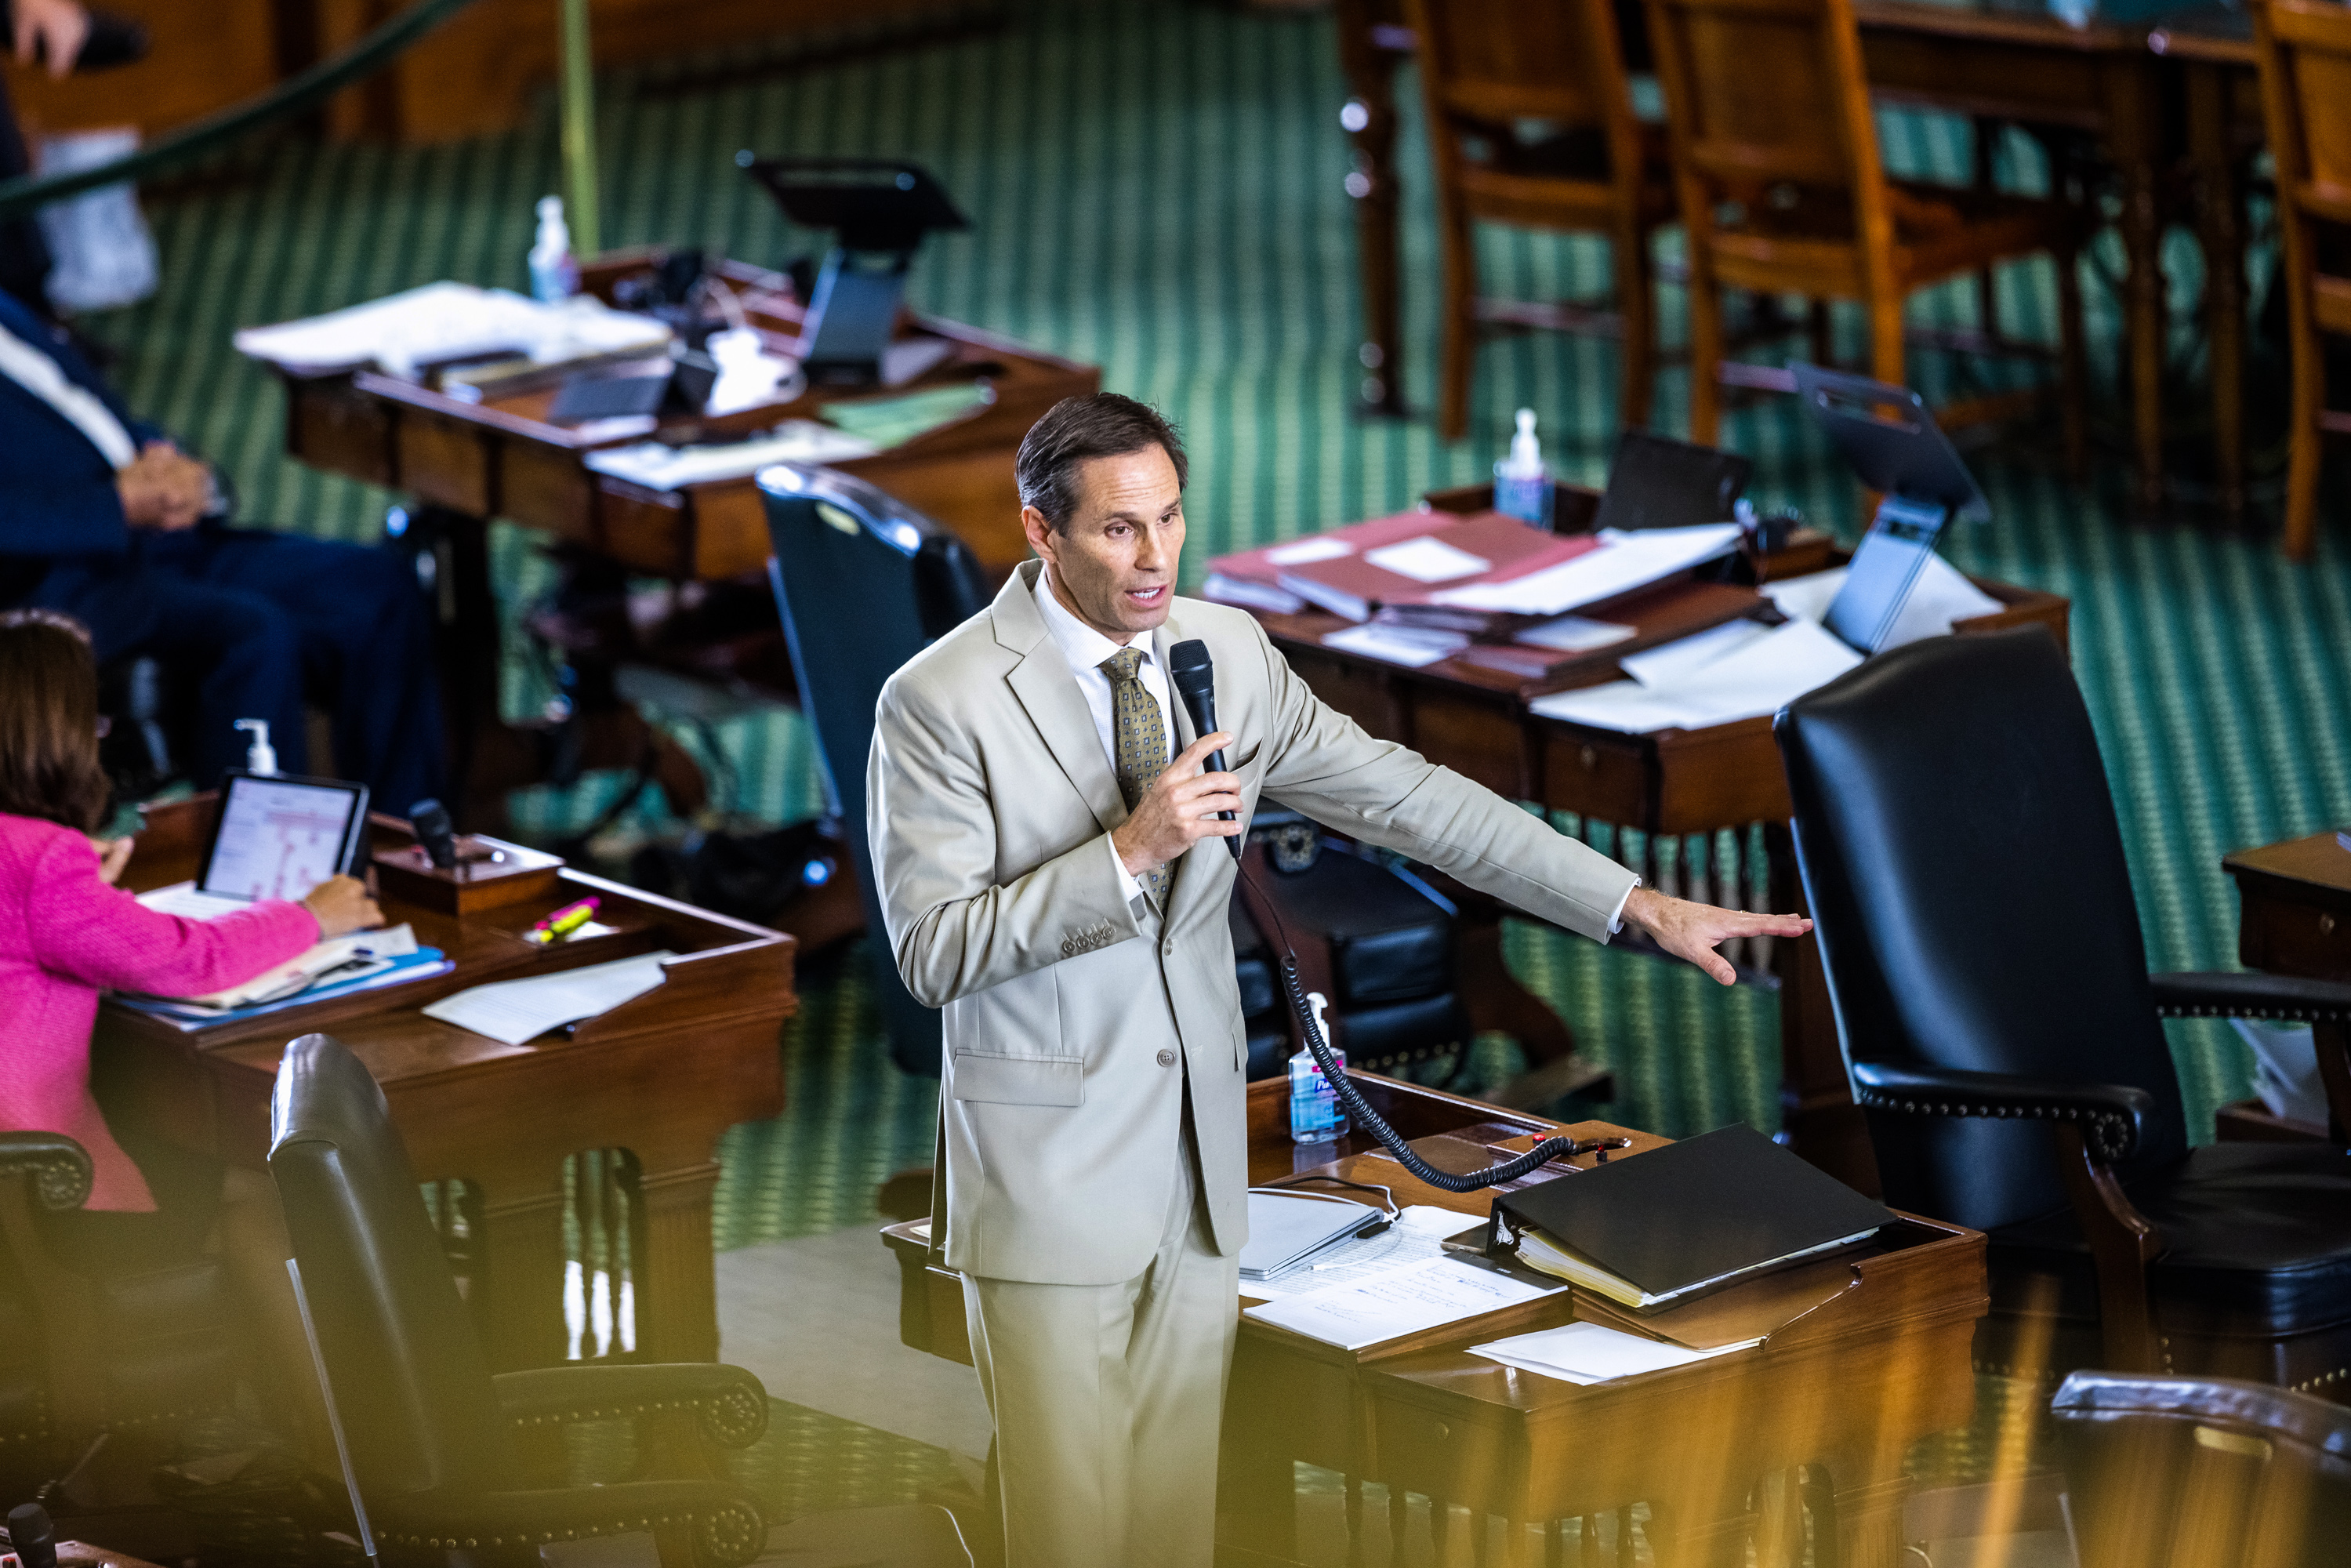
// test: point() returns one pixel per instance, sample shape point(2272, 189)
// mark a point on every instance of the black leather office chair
point(1961, 853)
point(95, 1340)
point(863, 584)
point(427, 1424)
point(2176, 1473)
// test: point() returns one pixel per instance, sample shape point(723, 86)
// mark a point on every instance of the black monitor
point(1656, 482)
point(863, 584)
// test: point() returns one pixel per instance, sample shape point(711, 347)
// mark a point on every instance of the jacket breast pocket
point(989, 1078)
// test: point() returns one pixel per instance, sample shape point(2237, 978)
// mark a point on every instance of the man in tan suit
point(1058, 884)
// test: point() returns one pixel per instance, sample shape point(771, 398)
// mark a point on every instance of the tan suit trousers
point(1108, 1399)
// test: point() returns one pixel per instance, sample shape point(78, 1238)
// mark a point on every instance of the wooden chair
point(1489, 69)
point(2305, 58)
point(1776, 167)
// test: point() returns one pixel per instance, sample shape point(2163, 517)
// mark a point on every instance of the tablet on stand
point(1893, 444)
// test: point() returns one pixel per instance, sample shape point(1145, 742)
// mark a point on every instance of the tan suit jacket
point(1074, 1020)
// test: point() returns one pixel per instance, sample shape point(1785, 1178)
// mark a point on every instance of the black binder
point(1694, 1216)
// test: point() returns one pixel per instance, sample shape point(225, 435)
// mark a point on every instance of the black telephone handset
point(1195, 678)
point(113, 40)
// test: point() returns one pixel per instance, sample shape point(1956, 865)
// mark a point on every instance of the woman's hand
point(113, 854)
point(341, 905)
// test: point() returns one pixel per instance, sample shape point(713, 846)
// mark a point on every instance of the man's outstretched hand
point(1692, 931)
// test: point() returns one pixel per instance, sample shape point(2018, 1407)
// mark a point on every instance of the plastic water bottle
point(553, 274)
point(1521, 485)
point(1315, 1116)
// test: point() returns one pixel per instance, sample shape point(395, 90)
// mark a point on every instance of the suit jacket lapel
point(1042, 682)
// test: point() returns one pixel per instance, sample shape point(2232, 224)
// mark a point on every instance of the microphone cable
point(1543, 1154)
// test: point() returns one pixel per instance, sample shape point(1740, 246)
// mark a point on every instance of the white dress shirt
point(38, 372)
point(1085, 649)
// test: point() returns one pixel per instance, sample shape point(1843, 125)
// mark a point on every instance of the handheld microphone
point(1194, 676)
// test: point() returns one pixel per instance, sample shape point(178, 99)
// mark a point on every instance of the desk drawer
point(1444, 1455)
point(2290, 938)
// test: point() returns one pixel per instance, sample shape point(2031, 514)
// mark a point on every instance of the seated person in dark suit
point(103, 518)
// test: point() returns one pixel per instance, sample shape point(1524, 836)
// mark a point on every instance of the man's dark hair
point(1078, 429)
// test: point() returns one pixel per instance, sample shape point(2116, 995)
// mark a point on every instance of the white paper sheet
point(1622, 562)
point(1627, 707)
point(1590, 1353)
point(1573, 635)
point(1426, 559)
point(1758, 676)
point(1941, 595)
point(660, 468)
point(1390, 1305)
point(182, 899)
point(1306, 551)
point(512, 1011)
point(442, 321)
point(1666, 665)
point(1418, 1238)
point(1408, 646)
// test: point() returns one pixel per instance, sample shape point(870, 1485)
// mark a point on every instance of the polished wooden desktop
point(662, 1076)
point(2000, 59)
point(1666, 784)
point(465, 462)
point(2295, 918)
point(1423, 1415)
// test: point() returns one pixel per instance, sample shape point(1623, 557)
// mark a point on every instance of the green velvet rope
point(295, 94)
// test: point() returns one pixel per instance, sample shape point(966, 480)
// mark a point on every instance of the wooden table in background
point(466, 462)
point(663, 1076)
point(2295, 918)
point(1667, 784)
point(1997, 59)
point(1424, 1415)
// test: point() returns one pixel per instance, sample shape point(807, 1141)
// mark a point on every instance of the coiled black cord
point(1359, 1109)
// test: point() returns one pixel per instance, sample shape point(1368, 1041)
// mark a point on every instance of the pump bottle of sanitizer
point(1315, 1116)
point(553, 274)
point(1522, 483)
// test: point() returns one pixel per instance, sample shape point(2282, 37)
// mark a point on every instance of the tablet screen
point(279, 837)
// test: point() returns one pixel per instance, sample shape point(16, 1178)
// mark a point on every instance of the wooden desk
point(2008, 59)
point(662, 1076)
point(1669, 783)
point(2295, 918)
point(468, 462)
point(1421, 1415)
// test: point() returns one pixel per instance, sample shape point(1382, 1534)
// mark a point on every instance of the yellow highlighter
point(563, 922)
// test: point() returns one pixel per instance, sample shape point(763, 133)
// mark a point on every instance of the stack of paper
point(1427, 1295)
point(1729, 672)
point(445, 321)
point(365, 960)
point(1941, 597)
point(1623, 562)
point(512, 1011)
point(1588, 1354)
point(660, 468)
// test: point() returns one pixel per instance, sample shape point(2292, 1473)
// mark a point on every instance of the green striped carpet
point(1159, 189)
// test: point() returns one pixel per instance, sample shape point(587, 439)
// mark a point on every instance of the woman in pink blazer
point(67, 933)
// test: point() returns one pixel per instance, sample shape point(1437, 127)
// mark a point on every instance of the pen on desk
point(563, 922)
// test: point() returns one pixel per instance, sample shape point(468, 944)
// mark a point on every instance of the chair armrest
point(2112, 1117)
point(728, 1404)
point(59, 1167)
point(2232, 994)
point(723, 1521)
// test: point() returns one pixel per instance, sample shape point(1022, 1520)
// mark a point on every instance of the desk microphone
point(1194, 676)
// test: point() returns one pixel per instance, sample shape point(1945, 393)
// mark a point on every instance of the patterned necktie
point(1140, 735)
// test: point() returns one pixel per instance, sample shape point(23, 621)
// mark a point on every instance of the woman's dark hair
point(48, 721)
point(1077, 430)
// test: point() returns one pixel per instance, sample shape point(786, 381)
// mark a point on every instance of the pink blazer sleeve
point(103, 936)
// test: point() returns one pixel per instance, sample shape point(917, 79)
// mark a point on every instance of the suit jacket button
point(1166, 1059)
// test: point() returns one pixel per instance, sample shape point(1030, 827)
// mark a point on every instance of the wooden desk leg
point(2133, 141)
point(1869, 1522)
point(2220, 228)
point(1817, 1111)
point(1370, 117)
point(677, 1301)
point(517, 1289)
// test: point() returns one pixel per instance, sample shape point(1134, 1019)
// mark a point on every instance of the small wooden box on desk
point(662, 1076)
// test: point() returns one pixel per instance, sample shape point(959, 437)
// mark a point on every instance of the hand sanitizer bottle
point(1315, 1116)
point(1521, 485)
point(554, 275)
point(260, 757)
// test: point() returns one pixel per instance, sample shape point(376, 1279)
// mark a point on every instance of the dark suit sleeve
point(60, 513)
